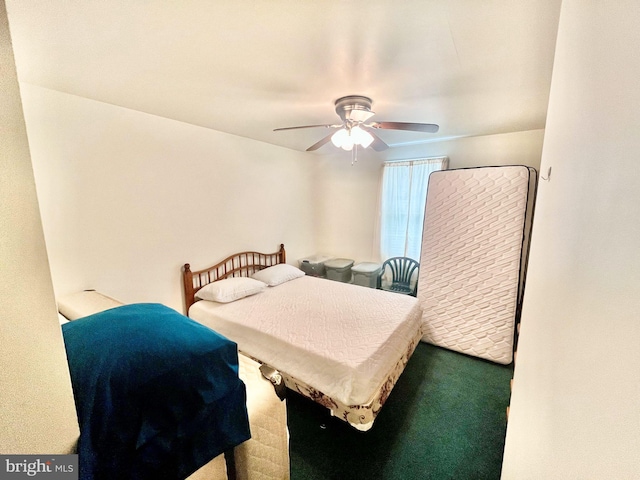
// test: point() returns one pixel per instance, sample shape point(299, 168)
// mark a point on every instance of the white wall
point(515, 148)
point(127, 198)
point(575, 408)
point(347, 212)
point(37, 412)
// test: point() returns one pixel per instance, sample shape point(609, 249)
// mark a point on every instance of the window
point(403, 198)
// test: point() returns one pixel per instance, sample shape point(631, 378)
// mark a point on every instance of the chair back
point(402, 271)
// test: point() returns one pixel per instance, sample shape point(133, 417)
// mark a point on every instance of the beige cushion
point(81, 304)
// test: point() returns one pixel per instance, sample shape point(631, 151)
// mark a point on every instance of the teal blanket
point(157, 394)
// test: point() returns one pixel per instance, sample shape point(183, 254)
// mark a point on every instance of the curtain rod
point(423, 159)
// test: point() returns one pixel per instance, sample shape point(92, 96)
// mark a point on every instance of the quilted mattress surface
point(265, 456)
point(339, 338)
point(82, 304)
point(471, 259)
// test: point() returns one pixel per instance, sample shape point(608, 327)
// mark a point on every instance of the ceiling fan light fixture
point(340, 137)
point(358, 115)
point(347, 144)
point(361, 137)
point(346, 139)
point(354, 111)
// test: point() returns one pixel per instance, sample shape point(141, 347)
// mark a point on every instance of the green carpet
point(445, 419)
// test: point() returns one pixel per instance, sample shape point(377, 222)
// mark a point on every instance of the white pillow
point(278, 274)
point(230, 289)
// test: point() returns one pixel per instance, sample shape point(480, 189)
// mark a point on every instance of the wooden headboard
point(242, 264)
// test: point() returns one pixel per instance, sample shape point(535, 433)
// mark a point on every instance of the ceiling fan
point(354, 111)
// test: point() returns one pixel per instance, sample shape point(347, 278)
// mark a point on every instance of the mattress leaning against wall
point(473, 260)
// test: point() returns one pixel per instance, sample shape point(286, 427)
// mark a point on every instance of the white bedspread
point(339, 338)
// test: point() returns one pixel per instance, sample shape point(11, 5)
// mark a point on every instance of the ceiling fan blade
point(378, 144)
point(320, 143)
point(306, 126)
point(414, 127)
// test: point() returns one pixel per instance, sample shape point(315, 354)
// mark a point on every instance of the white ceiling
point(247, 67)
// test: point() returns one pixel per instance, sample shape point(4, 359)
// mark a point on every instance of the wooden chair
point(402, 271)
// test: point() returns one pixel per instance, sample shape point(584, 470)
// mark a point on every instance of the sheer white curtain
point(402, 203)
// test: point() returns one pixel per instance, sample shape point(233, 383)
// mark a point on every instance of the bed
point(264, 456)
point(342, 345)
